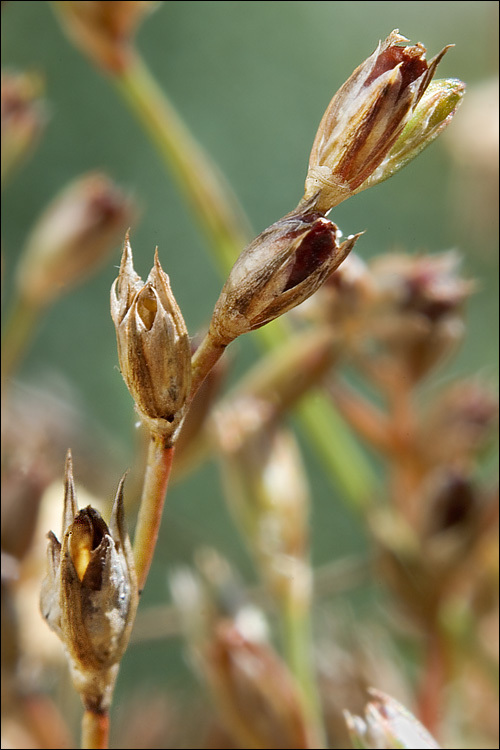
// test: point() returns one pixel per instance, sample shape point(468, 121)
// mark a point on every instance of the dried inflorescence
point(89, 596)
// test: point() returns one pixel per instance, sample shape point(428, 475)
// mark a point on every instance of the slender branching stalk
point(20, 325)
point(227, 230)
point(159, 464)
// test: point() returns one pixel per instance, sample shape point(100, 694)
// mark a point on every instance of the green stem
point(154, 491)
point(216, 207)
point(295, 615)
point(336, 445)
point(21, 324)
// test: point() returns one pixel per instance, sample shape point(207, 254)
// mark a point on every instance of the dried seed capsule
point(23, 115)
point(281, 268)
point(72, 237)
point(153, 346)
point(104, 30)
point(365, 118)
point(89, 596)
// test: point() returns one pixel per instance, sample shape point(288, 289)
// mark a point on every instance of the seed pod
point(23, 117)
point(104, 30)
point(73, 237)
point(365, 118)
point(281, 268)
point(256, 695)
point(153, 346)
point(89, 596)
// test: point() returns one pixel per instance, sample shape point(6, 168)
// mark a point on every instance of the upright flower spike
point(281, 268)
point(365, 118)
point(89, 596)
point(153, 346)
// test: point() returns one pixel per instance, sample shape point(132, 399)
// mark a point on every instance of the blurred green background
point(252, 80)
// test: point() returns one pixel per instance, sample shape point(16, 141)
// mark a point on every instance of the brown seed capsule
point(281, 268)
point(153, 346)
point(418, 312)
point(72, 237)
point(89, 596)
point(23, 116)
point(104, 30)
point(365, 118)
point(254, 691)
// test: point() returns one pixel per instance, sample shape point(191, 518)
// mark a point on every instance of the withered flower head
point(104, 30)
point(23, 118)
point(281, 268)
point(153, 346)
point(89, 596)
point(365, 118)
point(72, 237)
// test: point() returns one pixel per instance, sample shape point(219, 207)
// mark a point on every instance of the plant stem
point(21, 323)
point(154, 491)
point(95, 730)
point(433, 683)
point(295, 617)
point(205, 357)
point(223, 221)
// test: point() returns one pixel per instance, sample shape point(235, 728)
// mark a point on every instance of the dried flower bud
point(153, 346)
point(387, 724)
point(23, 118)
point(365, 118)
point(433, 114)
point(281, 268)
point(89, 596)
point(104, 30)
point(462, 422)
point(73, 237)
point(418, 314)
point(254, 692)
